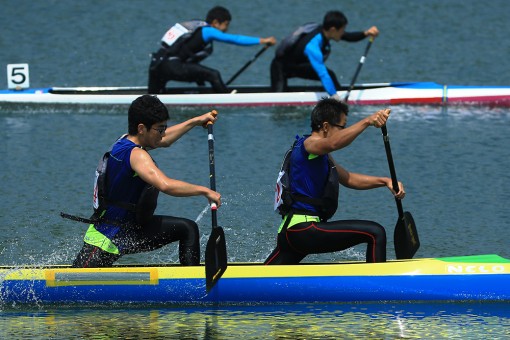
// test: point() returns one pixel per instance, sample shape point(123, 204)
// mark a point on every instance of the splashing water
point(199, 217)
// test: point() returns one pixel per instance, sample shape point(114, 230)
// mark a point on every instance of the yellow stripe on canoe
point(64, 275)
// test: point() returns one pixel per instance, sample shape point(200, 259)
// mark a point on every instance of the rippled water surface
point(453, 161)
point(386, 321)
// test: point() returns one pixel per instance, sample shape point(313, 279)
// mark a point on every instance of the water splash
point(199, 217)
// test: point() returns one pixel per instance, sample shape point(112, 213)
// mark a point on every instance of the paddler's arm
point(175, 132)
point(340, 138)
point(314, 54)
point(357, 36)
point(358, 181)
point(213, 34)
point(142, 163)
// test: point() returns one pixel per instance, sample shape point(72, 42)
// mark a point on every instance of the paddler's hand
point(372, 31)
point(214, 198)
point(379, 118)
point(401, 191)
point(208, 118)
point(269, 41)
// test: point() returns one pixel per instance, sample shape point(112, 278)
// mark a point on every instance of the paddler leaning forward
point(126, 198)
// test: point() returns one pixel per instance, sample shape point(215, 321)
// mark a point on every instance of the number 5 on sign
point(17, 76)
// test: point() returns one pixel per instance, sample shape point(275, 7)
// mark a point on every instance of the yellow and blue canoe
point(484, 278)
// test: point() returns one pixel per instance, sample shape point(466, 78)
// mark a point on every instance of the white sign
point(17, 76)
point(174, 33)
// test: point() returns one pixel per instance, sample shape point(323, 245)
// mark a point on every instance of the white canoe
point(417, 93)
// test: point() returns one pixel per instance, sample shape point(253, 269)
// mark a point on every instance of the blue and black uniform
point(128, 224)
point(182, 63)
point(305, 59)
point(303, 231)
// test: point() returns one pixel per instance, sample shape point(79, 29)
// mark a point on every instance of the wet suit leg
point(175, 69)
point(284, 253)
point(281, 71)
point(305, 238)
point(157, 232)
point(94, 257)
point(157, 81)
point(162, 230)
point(278, 79)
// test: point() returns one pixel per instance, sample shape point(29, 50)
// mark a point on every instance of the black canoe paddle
point(216, 249)
point(358, 69)
point(247, 64)
point(405, 236)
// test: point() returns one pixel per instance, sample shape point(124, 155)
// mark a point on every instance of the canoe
point(418, 93)
point(480, 278)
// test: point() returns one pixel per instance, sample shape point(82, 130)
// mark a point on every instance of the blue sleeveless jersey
point(308, 174)
point(123, 185)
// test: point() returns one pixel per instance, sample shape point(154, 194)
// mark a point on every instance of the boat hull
point(368, 94)
point(482, 278)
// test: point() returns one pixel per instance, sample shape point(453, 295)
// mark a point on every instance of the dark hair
point(146, 110)
point(327, 110)
point(219, 13)
point(334, 19)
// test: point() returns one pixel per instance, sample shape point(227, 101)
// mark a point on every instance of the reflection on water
point(374, 321)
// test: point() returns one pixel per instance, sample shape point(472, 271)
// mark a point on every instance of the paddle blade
point(406, 237)
point(215, 257)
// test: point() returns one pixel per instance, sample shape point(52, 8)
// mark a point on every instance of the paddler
point(186, 44)
point(128, 182)
point(303, 53)
point(307, 190)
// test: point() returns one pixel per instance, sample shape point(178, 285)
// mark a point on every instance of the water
point(365, 321)
point(97, 43)
point(453, 161)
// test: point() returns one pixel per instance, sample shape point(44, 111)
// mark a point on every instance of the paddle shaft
point(358, 69)
point(394, 181)
point(212, 173)
point(405, 236)
point(216, 248)
point(247, 64)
